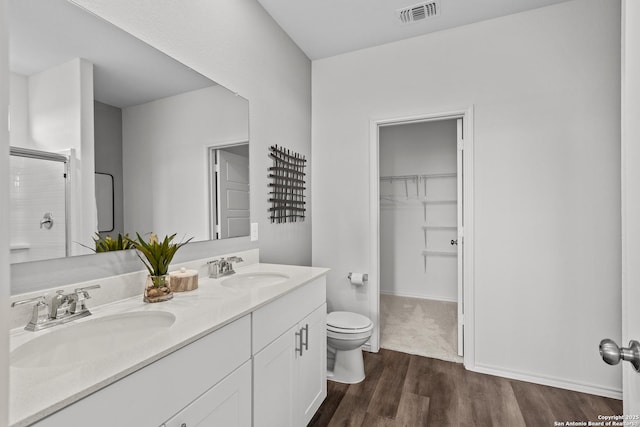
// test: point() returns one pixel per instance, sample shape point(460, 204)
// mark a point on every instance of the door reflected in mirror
point(136, 126)
point(229, 184)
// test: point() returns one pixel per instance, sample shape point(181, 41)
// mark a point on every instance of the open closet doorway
point(420, 217)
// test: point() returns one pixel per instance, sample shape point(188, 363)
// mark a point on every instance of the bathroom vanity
point(246, 349)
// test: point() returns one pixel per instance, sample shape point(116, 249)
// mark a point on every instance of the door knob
point(612, 354)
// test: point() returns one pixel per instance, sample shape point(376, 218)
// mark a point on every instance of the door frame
point(374, 221)
point(630, 202)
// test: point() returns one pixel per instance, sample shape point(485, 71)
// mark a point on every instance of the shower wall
point(36, 187)
point(53, 111)
point(407, 207)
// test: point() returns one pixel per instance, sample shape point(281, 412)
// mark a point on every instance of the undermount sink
point(90, 340)
point(254, 280)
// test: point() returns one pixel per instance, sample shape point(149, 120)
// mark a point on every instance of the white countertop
point(37, 392)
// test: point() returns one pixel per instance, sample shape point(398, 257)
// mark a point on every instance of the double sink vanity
point(248, 349)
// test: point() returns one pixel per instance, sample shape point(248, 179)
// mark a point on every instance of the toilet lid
point(347, 320)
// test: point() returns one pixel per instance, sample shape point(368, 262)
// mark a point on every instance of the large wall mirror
point(108, 135)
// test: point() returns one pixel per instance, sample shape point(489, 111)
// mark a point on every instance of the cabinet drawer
point(228, 403)
point(272, 320)
point(153, 394)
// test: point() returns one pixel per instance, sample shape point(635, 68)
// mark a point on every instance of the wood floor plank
point(413, 410)
point(593, 406)
point(362, 393)
point(487, 401)
point(373, 420)
point(564, 404)
point(438, 381)
point(532, 404)
point(433, 393)
point(506, 411)
point(353, 405)
point(348, 414)
point(386, 397)
point(335, 394)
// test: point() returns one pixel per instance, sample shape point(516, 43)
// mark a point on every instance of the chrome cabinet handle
point(306, 336)
point(612, 354)
point(299, 341)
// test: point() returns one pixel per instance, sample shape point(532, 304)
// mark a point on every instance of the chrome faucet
point(59, 305)
point(39, 315)
point(62, 308)
point(222, 267)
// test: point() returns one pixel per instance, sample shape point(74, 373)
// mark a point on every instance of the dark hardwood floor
point(407, 390)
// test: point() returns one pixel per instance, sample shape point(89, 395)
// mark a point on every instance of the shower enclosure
point(39, 205)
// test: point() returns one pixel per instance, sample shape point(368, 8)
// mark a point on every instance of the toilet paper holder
point(365, 277)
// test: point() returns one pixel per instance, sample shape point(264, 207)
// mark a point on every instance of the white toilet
point(346, 332)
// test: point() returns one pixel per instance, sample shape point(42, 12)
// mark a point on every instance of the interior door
point(460, 241)
point(630, 196)
point(611, 352)
point(233, 194)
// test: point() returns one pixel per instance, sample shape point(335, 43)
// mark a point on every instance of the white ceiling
point(127, 71)
point(324, 28)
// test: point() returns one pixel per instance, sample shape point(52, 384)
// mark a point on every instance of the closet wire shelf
point(420, 180)
point(287, 185)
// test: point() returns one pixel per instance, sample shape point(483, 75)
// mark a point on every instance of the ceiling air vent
point(418, 12)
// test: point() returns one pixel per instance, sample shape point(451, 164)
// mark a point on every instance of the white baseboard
point(430, 297)
point(552, 382)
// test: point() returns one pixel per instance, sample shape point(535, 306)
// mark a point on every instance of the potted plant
point(156, 255)
point(107, 244)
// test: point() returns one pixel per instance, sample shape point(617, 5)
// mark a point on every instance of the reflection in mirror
point(138, 130)
point(229, 185)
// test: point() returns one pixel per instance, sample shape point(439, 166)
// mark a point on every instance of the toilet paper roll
point(358, 278)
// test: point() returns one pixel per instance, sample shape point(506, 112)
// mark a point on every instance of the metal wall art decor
point(287, 185)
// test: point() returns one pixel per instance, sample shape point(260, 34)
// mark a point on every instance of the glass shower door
point(38, 205)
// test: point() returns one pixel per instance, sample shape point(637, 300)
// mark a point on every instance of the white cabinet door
point(274, 376)
point(289, 374)
point(227, 404)
point(312, 365)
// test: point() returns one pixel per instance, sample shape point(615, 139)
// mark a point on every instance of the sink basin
point(87, 341)
point(254, 280)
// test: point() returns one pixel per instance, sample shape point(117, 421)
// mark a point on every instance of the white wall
point(165, 158)
point(545, 86)
point(418, 149)
point(4, 219)
point(237, 44)
point(19, 110)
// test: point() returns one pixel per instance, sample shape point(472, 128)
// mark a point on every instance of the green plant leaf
point(156, 254)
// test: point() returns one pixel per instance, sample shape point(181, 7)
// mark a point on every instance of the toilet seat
point(345, 322)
